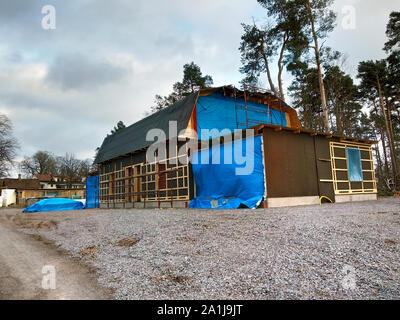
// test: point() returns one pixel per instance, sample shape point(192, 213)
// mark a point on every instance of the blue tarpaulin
point(92, 192)
point(228, 185)
point(219, 112)
point(354, 164)
point(56, 204)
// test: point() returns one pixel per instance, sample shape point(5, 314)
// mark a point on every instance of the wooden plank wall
point(289, 164)
point(295, 163)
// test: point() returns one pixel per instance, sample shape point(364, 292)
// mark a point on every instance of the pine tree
point(393, 33)
point(192, 81)
point(256, 51)
point(342, 100)
point(320, 20)
point(375, 86)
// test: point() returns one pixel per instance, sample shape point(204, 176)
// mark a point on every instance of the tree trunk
point(379, 168)
point(318, 62)
point(388, 132)
point(389, 115)
point(339, 122)
point(280, 67)
point(379, 172)
point(396, 173)
point(385, 154)
point(271, 84)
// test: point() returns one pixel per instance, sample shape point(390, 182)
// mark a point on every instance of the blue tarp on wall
point(56, 204)
point(354, 164)
point(218, 111)
point(224, 186)
point(92, 192)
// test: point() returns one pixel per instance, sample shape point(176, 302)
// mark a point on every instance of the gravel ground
point(334, 251)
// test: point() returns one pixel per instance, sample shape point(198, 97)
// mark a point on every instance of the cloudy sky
point(65, 88)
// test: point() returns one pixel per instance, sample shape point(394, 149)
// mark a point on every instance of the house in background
point(292, 165)
point(48, 181)
point(14, 190)
point(43, 186)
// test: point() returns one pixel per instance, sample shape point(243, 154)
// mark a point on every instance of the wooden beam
point(260, 127)
point(278, 129)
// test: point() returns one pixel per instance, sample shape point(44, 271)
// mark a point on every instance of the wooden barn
point(288, 165)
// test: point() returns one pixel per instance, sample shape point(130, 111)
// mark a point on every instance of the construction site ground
point(333, 251)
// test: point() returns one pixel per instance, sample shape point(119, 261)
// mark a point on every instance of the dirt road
point(22, 258)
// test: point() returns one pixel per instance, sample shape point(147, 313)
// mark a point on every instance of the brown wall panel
point(290, 164)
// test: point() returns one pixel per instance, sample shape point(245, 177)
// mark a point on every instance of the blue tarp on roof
point(92, 192)
point(56, 204)
point(219, 112)
point(229, 187)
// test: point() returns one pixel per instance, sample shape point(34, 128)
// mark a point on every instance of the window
point(354, 164)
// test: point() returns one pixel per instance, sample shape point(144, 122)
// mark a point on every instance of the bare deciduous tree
point(72, 169)
point(42, 162)
point(8, 146)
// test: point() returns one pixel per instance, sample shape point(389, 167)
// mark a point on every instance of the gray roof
point(133, 138)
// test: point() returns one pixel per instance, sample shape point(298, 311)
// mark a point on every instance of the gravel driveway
point(334, 251)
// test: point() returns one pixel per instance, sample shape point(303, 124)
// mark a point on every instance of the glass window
point(354, 164)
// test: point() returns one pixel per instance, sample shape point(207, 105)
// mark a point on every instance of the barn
point(227, 148)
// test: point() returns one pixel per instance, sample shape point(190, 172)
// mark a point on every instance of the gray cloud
point(76, 71)
point(64, 89)
point(11, 10)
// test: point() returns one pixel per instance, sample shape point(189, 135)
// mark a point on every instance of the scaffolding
point(340, 169)
point(249, 121)
point(164, 180)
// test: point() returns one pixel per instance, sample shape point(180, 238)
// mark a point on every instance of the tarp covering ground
point(56, 204)
point(92, 192)
point(219, 112)
point(220, 186)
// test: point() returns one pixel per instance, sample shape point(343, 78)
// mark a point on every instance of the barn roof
point(133, 138)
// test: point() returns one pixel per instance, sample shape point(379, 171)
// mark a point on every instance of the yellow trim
point(362, 147)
